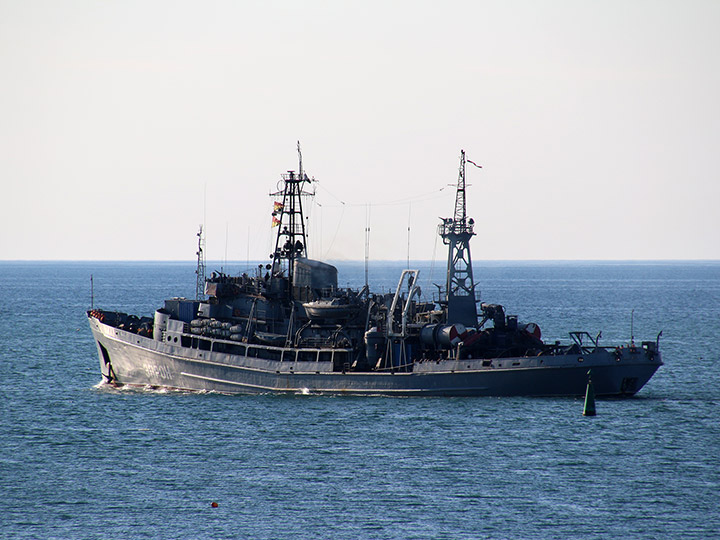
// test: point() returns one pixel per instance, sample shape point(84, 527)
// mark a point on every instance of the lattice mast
point(200, 271)
point(291, 240)
point(456, 233)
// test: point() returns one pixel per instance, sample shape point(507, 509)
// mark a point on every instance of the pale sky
point(126, 124)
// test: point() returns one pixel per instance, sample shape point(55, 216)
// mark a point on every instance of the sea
point(81, 460)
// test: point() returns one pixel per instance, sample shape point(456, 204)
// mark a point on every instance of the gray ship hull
point(127, 358)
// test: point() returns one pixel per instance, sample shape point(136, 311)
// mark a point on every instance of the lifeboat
point(335, 309)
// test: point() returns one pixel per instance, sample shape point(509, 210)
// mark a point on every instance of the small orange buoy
point(214, 504)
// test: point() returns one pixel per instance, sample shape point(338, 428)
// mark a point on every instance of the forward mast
point(291, 239)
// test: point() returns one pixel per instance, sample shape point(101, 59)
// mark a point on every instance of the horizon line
point(361, 261)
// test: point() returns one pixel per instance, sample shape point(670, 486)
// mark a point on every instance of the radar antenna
point(456, 233)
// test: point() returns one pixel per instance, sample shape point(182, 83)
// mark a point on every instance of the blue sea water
point(80, 460)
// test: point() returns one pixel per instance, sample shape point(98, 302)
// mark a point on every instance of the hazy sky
point(124, 125)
